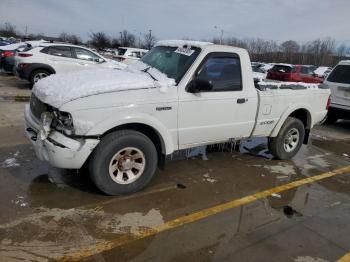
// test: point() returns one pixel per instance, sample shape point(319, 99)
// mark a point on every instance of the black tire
point(111, 144)
point(277, 144)
point(35, 73)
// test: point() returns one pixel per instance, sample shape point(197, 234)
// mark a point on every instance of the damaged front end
point(52, 136)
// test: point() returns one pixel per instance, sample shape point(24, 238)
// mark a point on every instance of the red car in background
point(293, 73)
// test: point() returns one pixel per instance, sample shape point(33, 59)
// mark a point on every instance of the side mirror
point(198, 85)
point(99, 60)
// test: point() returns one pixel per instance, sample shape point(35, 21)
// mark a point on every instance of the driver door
point(227, 111)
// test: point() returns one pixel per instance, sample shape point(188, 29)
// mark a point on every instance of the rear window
point(45, 50)
point(63, 51)
point(341, 74)
point(282, 69)
point(121, 51)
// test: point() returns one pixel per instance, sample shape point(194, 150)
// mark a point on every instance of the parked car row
point(338, 80)
point(129, 54)
point(34, 60)
point(293, 73)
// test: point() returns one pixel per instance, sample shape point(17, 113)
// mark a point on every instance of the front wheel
point(289, 139)
point(123, 162)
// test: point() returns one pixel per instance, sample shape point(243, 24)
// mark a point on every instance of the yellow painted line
point(183, 220)
point(345, 258)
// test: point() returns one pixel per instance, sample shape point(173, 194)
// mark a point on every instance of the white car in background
point(51, 58)
point(322, 71)
point(258, 73)
point(129, 54)
point(339, 83)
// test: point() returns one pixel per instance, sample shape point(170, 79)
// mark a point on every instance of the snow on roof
point(283, 64)
point(344, 62)
point(181, 43)
point(321, 70)
point(59, 89)
point(13, 46)
point(21, 45)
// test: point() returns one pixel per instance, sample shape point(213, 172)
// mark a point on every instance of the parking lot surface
point(195, 209)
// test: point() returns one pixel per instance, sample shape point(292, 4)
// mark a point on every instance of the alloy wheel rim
point(127, 165)
point(39, 76)
point(291, 140)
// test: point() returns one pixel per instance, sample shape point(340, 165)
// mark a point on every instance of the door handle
point(241, 100)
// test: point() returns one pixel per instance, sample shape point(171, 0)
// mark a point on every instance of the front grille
point(37, 107)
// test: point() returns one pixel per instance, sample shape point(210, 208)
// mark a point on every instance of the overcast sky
point(301, 20)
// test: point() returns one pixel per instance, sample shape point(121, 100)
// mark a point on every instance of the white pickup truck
point(181, 94)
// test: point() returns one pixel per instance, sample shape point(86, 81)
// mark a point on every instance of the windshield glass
point(172, 61)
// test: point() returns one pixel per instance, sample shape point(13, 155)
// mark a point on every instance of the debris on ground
point(208, 178)
point(276, 195)
point(11, 162)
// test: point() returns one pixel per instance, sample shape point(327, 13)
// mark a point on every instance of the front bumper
point(58, 150)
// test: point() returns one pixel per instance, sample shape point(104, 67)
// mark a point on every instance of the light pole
point(150, 39)
point(221, 35)
point(121, 38)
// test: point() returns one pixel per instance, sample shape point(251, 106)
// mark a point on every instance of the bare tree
point(70, 38)
point(99, 40)
point(149, 40)
point(8, 30)
point(127, 39)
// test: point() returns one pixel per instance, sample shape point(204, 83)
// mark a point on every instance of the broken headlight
point(63, 122)
point(46, 120)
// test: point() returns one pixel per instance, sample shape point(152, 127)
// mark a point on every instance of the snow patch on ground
point(133, 223)
point(281, 168)
point(309, 259)
point(72, 227)
point(11, 161)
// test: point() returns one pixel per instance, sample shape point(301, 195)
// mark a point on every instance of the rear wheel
point(37, 75)
point(124, 162)
point(289, 139)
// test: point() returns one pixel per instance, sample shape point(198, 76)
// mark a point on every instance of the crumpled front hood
point(59, 89)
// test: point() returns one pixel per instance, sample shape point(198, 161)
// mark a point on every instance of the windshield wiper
point(146, 71)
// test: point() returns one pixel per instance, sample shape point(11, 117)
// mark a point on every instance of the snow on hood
point(59, 89)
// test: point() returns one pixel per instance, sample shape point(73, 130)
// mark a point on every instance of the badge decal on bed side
point(162, 108)
point(267, 122)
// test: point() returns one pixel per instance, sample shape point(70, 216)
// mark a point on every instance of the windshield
point(171, 61)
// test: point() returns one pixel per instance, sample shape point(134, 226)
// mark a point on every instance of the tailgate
point(341, 95)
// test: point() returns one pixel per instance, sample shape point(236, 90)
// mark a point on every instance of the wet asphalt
point(51, 214)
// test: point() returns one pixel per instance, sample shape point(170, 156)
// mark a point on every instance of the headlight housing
point(63, 122)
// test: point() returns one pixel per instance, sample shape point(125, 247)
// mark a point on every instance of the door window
point(223, 72)
point(63, 51)
point(306, 70)
point(84, 54)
